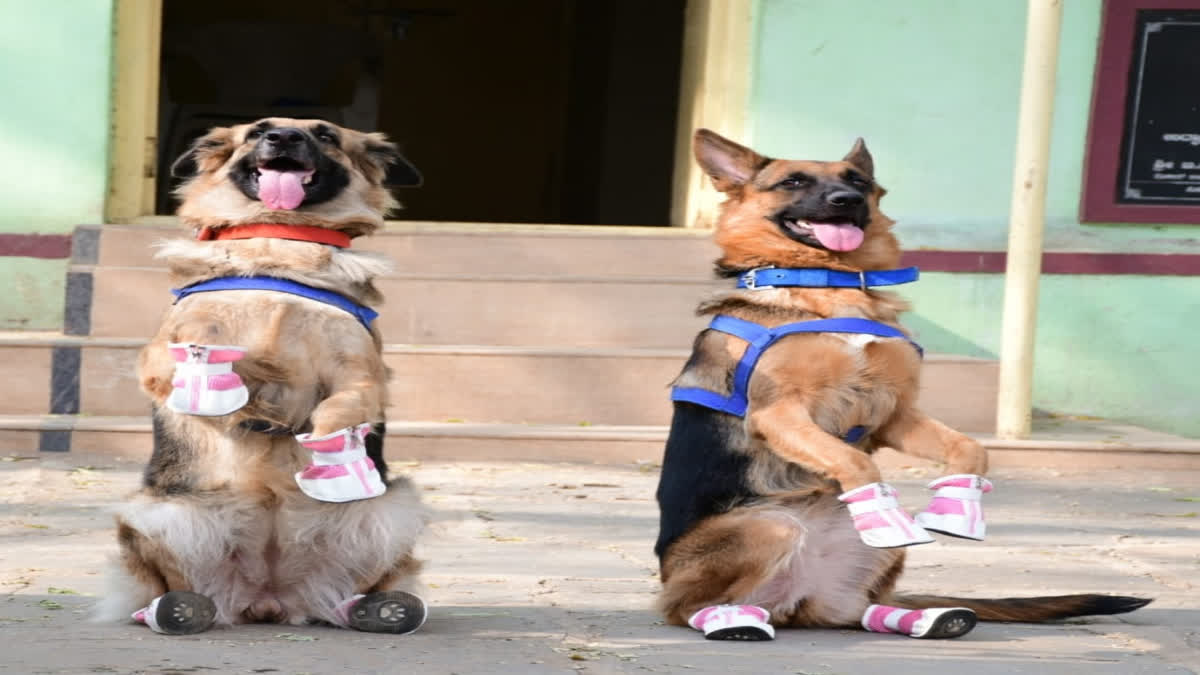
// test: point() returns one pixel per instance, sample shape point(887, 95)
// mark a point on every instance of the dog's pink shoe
point(880, 521)
point(178, 613)
point(942, 622)
point(733, 622)
point(340, 469)
point(204, 381)
point(956, 509)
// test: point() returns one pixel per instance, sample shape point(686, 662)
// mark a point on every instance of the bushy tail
point(1028, 610)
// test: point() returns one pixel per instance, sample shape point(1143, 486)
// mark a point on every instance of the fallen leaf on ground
point(49, 604)
point(296, 638)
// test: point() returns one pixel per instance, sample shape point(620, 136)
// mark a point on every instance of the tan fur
point(809, 389)
point(211, 200)
point(239, 530)
point(791, 549)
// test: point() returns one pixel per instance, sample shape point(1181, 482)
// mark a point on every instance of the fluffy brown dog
point(252, 385)
point(755, 491)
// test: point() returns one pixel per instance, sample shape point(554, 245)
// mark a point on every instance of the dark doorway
point(520, 111)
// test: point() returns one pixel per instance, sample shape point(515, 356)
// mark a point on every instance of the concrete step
point(474, 248)
point(538, 385)
point(128, 439)
point(455, 283)
point(463, 309)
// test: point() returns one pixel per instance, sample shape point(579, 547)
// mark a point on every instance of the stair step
point(465, 309)
point(538, 385)
point(128, 438)
point(450, 248)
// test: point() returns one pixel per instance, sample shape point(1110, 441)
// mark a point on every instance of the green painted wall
point(55, 77)
point(33, 293)
point(933, 86)
point(1111, 346)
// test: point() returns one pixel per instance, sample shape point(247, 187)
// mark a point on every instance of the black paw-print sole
point(184, 613)
point(394, 612)
point(952, 624)
point(743, 633)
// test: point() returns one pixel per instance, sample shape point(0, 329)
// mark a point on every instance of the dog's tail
point(1027, 610)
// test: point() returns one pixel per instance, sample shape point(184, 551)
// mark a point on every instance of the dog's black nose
point(284, 136)
point(844, 198)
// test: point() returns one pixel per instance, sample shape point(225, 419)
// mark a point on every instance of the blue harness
point(365, 315)
point(759, 337)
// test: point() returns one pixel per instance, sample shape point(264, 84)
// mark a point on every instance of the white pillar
point(1027, 219)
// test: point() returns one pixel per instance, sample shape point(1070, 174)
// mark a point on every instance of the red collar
point(318, 235)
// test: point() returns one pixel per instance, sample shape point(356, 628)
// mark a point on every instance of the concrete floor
point(548, 568)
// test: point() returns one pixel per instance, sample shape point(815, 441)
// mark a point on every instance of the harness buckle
point(748, 279)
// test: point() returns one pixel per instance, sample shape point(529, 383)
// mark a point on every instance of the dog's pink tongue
point(281, 189)
point(838, 236)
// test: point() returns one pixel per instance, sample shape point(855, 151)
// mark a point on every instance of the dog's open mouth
point(843, 236)
point(281, 182)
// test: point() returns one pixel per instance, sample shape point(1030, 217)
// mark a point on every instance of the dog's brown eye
point(793, 182)
point(857, 181)
point(253, 134)
point(326, 137)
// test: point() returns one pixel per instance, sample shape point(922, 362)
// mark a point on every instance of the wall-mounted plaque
point(1143, 161)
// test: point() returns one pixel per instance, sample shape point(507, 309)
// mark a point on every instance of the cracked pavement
point(548, 568)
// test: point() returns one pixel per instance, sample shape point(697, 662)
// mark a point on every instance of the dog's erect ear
point(859, 156)
point(207, 152)
point(402, 173)
point(728, 164)
point(397, 170)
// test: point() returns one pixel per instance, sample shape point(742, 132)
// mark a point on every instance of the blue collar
point(365, 315)
point(816, 277)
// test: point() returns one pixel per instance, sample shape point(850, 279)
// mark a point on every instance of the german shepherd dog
point(772, 514)
point(266, 498)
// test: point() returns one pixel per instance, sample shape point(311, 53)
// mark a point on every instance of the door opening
point(523, 111)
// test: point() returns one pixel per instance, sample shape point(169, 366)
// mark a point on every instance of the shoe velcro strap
point(184, 368)
point(873, 505)
point(972, 494)
point(336, 458)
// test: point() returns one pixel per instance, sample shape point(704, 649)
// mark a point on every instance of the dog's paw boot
point(204, 381)
point(733, 622)
point(956, 509)
point(396, 612)
point(938, 623)
point(178, 613)
point(340, 470)
point(880, 521)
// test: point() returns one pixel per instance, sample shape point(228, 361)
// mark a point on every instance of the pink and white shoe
point(178, 613)
point(204, 381)
point(340, 469)
point(395, 612)
point(956, 509)
point(880, 521)
point(939, 623)
point(733, 622)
